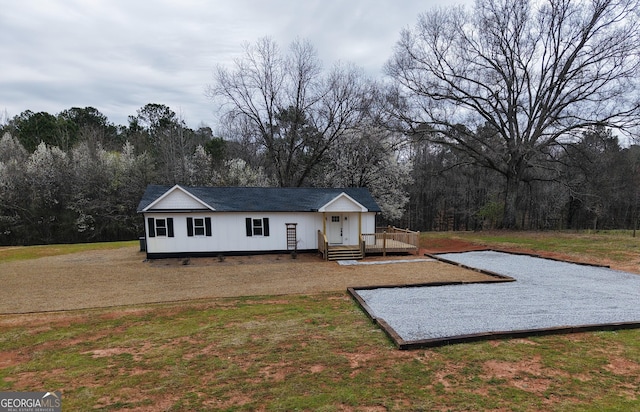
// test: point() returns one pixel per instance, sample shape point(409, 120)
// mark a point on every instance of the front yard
point(309, 351)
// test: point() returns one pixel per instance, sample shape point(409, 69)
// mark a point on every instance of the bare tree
point(169, 140)
point(294, 111)
point(531, 72)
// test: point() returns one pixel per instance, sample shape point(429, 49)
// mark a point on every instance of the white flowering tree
point(239, 173)
point(12, 182)
point(369, 158)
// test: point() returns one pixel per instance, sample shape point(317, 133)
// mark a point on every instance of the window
point(198, 226)
point(160, 227)
point(335, 219)
point(257, 227)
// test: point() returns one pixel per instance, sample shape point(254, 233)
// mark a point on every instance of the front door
point(334, 229)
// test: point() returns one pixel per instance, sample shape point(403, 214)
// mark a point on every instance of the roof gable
point(177, 198)
point(342, 203)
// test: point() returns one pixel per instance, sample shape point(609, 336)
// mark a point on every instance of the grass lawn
point(13, 253)
point(315, 352)
point(616, 247)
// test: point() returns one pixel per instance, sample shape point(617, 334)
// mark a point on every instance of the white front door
point(334, 229)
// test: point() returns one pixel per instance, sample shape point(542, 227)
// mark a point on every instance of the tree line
point(590, 183)
point(79, 178)
point(513, 114)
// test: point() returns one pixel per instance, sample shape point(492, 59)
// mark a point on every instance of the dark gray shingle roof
point(264, 199)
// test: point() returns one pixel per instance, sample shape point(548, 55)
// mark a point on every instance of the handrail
point(393, 240)
point(393, 229)
point(323, 245)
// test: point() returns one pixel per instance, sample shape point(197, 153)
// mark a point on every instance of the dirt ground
point(122, 277)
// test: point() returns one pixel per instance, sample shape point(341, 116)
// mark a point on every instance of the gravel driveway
point(547, 294)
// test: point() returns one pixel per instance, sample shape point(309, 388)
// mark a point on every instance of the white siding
point(369, 222)
point(229, 232)
point(342, 204)
point(178, 200)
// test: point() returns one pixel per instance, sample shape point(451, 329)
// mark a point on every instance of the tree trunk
point(510, 198)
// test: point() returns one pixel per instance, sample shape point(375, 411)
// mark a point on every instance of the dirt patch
point(622, 366)
point(122, 277)
point(527, 374)
point(448, 245)
point(11, 358)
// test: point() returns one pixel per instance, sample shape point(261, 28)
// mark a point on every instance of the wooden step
point(344, 254)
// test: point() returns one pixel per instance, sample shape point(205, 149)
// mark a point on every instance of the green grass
point(611, 245)
point(317, 352)
point(304, 353)
point(13, 253)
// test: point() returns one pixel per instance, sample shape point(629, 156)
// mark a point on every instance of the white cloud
point(118, 55)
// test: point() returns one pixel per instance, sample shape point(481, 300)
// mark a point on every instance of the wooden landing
point(390, 246)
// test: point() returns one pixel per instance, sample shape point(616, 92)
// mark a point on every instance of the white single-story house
point(183, 221)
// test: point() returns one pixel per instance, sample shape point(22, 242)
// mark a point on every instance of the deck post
point(324, 224)
point(384, 243)
point(323, 245)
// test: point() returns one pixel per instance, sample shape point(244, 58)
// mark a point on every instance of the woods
point(513, 114)
point(513, 81)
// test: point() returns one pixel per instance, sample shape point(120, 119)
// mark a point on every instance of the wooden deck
point(392, 240)
point(385, 246)
point(389, 240)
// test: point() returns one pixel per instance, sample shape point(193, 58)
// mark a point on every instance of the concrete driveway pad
point(548, 296)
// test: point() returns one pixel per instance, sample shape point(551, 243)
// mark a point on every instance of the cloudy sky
point(118, 55)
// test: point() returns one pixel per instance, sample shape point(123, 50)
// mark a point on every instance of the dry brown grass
point(103, 278)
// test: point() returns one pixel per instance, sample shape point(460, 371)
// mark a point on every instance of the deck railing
point(391, 239)
point(388, 240)
point(323, 245)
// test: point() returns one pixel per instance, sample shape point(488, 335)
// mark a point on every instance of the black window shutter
point(152, 227)
point(189, 226)
point(170, 226)
point(265, 224)
point(207, 225)
point(249, 227)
